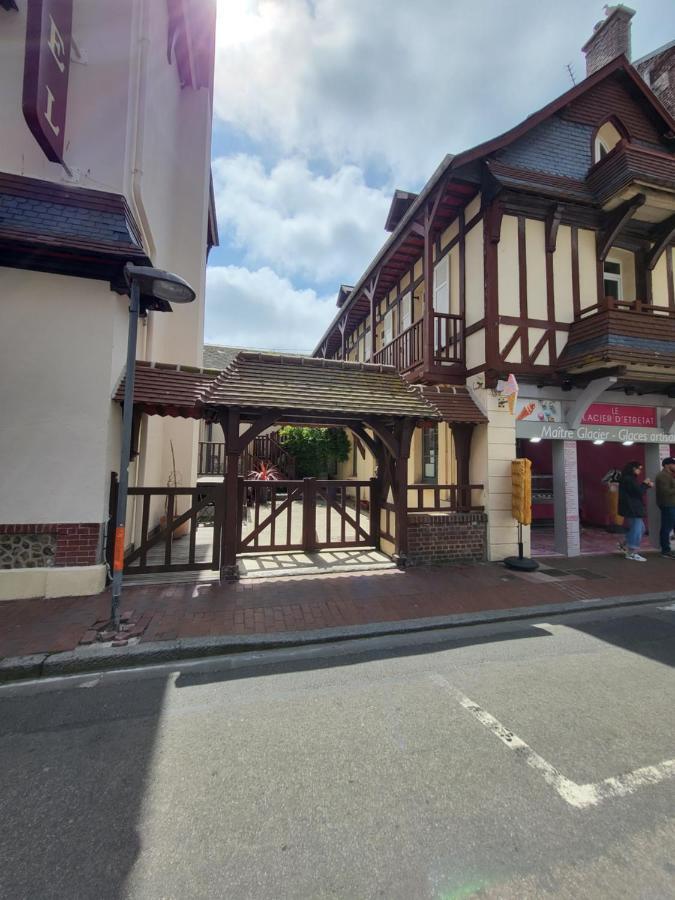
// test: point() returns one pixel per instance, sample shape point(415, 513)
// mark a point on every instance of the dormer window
point(606, 138)
point(601, 149)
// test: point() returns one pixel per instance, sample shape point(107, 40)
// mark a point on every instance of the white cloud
point(323, 228)
point(396, 83)
point(259, 309)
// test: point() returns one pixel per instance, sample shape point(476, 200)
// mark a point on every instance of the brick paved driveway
point(260, 606)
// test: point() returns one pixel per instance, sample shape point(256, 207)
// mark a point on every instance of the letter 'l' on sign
point(45, 73)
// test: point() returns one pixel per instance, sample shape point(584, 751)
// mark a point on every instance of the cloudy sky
point(324, 107)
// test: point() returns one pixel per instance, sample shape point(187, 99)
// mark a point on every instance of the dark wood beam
point(663, 235)
point(552, 223)
point(615, 221)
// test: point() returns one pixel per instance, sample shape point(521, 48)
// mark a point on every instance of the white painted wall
point(62, 341)
point(130, 130)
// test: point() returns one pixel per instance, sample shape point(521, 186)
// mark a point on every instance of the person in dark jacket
point(665, 500)
point(632, 492)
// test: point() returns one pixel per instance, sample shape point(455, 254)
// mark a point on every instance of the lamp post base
point(521, 564)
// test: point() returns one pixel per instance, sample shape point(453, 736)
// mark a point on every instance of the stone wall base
point(31, 546)
point(438, 538)
point(64, 581)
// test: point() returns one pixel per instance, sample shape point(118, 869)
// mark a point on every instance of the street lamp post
point(148, 289)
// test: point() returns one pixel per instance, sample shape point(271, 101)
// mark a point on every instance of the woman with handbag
point(632, 507)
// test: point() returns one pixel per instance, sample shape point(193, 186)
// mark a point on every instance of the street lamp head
point(158, 284)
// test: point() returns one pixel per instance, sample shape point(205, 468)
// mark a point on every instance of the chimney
point(611, 38)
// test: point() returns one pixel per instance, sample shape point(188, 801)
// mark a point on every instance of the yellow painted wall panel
point(588, 278)
point(450, 232)
point(472, 209)
point(475, 286)
point(562, 275)
point(475, 349)
point(660, 281)
point(507, 266)
point(535, 246)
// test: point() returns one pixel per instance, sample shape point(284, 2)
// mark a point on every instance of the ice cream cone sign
point(510, 392)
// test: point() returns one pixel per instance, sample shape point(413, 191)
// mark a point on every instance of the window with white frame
point(612, 279)
point(405, 312)
point(442, 285)
point(601, 149)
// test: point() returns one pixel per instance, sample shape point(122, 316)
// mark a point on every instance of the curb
point(93, 659)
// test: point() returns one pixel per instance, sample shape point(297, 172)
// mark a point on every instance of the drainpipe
point(137, 122)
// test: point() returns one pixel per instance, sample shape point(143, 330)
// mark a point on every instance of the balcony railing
point(405, 352)
point(407, 349)
point(448, 347)
point(630, 306)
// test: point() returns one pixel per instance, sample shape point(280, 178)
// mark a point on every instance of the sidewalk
point(278, 606)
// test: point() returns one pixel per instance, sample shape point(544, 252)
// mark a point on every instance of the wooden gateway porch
point(225, 520)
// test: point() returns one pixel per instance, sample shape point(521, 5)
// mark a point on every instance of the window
point(442, 286)
point(601, 149)
point(430, 454)
point(388, 327)
point(405, 312)
point(612, 279)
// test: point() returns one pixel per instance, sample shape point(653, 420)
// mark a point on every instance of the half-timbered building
point(545, 254)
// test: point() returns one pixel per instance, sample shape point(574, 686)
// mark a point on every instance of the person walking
point(632, 508)
point(665, 500)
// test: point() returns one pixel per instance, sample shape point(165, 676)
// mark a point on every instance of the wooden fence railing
point(443, 497)
point(266, 448)
point(405, 351)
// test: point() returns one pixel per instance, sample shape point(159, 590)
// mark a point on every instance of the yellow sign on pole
point(521, 486)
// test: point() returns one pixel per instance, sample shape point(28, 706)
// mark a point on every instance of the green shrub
point(316, 450)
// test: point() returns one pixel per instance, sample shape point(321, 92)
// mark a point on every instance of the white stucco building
point(121, 94)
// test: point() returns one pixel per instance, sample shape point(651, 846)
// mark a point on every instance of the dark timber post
point(309, 514)
point(375, 501)
point(461, 438)
point(230, 534)
point(400, 489)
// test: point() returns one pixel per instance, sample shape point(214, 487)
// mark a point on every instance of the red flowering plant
point(265, 472)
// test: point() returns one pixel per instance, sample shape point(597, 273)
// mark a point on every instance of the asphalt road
point(524, 760)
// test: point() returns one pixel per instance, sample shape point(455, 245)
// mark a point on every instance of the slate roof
point(260, 381)
point(217, 357)
point(454, 403)
point(43, 221)
point(304, 383)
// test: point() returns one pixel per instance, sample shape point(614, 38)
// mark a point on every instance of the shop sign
point(529, 410)
point(628, 416)
point(45, 74)
point(553, 431)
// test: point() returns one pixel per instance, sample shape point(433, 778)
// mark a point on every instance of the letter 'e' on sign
point(45, 73)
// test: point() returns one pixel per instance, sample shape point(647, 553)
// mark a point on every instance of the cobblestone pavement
point(294, 603)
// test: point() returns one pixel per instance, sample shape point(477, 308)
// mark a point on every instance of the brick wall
point(436, 538)
point(77, 544)
point(610, 39)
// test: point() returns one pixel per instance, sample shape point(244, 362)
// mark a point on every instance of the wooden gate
point(306, 515)
point(183, 541)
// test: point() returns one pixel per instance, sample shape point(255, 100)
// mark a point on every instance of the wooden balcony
point(628, 164)
point(633, 336)
point(406, 351)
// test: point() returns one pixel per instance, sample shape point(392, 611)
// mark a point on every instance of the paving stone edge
point(92, 658)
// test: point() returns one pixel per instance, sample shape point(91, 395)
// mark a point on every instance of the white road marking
point(670, 607)
point(580, 796)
